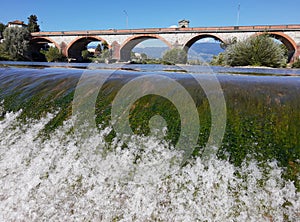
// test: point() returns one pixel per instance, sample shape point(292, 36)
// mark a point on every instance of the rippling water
point(50, 171)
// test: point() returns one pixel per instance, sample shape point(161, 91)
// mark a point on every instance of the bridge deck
point(255, 28)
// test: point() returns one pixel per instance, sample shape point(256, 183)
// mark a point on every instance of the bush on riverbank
point(175, 56)
point(296, 64)
point(4, 56)
point(254, 51)
point(218, 60)
point(53, 54)
point(152, 62)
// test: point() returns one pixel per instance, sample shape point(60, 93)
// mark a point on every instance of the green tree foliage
point(104, 57)
point(104, 45)
point(53, 54)
point(256, 51)
point(3, 54)
point(16, 42)
point(175, 56)
point(106, 54)
point(218, 60)
point(296, 64)
point(32, 24)
point(98, 49)
point(2, 27)
point(133, 56)
point(86, 55)
point(139, 58)
point(228, 42)
point(144, 56)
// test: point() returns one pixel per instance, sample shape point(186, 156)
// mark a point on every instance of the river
point(118, 142)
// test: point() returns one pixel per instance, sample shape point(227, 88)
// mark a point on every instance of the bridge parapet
point(257, 28)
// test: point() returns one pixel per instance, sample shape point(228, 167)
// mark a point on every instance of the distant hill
point(204, 50)
point(151, 52)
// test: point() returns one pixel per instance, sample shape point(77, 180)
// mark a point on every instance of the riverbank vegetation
point(296, 64)
point(4, 56)
point(53, 54)
point(254, 51)
point(170, 57)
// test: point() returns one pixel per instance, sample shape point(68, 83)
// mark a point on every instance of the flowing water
point(55, 167)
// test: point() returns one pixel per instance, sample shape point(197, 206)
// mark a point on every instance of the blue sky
point(56, 15)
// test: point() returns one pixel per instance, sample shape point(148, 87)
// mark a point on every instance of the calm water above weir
point(55, 166)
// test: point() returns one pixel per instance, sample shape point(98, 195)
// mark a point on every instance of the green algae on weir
point(263, 112)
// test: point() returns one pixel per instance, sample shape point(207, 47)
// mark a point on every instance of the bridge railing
point(172, 30)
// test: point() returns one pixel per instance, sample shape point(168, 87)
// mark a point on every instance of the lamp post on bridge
point(126, 14)
point(238, 15)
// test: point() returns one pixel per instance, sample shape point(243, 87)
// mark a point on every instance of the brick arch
point(285, 39)
point(75, 47)
point(194, 39)
point(38, 43)
point(49, 40)
point(131, 42)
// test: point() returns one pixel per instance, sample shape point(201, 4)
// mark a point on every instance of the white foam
point(68, 178)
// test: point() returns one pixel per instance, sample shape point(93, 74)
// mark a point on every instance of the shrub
point(218, 60)
point(53, 54)
point(256, 51)
point(3, 54)
point(175, 56)
point(86, 55)
point(296, 64)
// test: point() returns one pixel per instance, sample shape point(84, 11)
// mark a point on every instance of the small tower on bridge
point(184, 23)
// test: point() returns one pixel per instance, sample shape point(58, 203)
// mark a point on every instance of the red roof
point(17, 22)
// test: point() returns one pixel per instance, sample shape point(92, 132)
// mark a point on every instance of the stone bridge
point(121, 42)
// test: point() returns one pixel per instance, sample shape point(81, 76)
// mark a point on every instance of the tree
point(85, 55)
point(32, 24)
point(3, 54)
point(53, 54)
point(16, 42)
point(228, 42)
point(106, 54)
point(133, 56)
point(104, 45)
point(144, 56)
point(218, 60)
point(175, 56)
point(296, 64)
point(98, 49)
point(256, 51)
point(2, 27)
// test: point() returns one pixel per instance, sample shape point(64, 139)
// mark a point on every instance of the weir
point(52, 169)
point(275, 97)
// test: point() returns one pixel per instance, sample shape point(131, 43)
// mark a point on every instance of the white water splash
point(66, 178)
